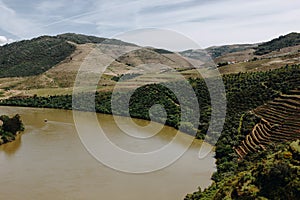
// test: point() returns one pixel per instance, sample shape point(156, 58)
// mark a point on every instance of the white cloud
point(14, 24)
point(208, 22)
point(225, 22)
point(5, 40)
point(165, 39)
point(50, 6)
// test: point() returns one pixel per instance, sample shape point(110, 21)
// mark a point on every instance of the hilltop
point(265, 56)
point(33, 57)
point(36, 56)
point(289, 40)
point(48, 65)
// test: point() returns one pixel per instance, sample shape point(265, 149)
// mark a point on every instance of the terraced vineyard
point(280, 122)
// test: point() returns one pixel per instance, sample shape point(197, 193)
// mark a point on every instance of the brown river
point(48, 161)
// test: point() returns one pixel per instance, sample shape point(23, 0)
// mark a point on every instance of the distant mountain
point(292, 39)
point(32, 57)
point(67, 51)
point(218, 51)
point(289, 40)
point(84, 39)
point(36, 56)
point(269, 55)
point(80, 39)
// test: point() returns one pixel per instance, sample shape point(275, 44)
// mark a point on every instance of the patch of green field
point(49, 91)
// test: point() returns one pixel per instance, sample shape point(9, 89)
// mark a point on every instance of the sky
point(207, 22)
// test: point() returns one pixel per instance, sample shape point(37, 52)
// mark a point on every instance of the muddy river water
point(48, 161)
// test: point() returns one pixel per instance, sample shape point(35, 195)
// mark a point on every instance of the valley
point(260, 137)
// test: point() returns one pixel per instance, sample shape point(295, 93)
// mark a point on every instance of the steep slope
point(33, 57)
point(36, 56)
point(152, 65)
point(85, 39)
point(262, 119)
point(219, 51)
point(274, 175)
point(292, 39)
point(57, 80)
point(238, 51)
point(280, 122)
point(270, 55)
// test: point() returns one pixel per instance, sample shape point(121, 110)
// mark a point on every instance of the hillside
point(33, 57)
point(254, 149)
point(292, 39)
point(220, 51)
point(48, 65)
point(279, 122)
point(235, 52)
point(257, 57)
point(58, 76)
point(36, 56)
point(272, 174)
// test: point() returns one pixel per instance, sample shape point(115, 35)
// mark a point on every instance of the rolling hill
point(36, 56)
point(265, 56)
point(49, 64)
point(289, 40)
point(33, 57)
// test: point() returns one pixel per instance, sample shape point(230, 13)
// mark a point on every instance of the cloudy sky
point(208, 22)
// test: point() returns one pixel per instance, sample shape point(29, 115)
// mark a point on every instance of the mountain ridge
point(49, 64)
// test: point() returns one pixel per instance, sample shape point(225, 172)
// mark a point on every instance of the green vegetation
point(221, 64)
point(216, 52)
point(162, 51)
point(247, 92)
point(80, 39)
point(291, 39)
point(244, 91)
point(277, 121)
point(36, 56)
point(264, 174)
point(33, 57)
point(124, 77)
point(10, 128)
point(272, 174)
point(84, 39)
